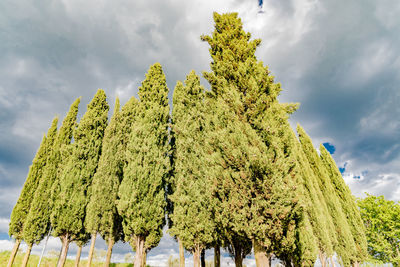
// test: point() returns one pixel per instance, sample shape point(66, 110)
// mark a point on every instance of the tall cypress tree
point(38, 220)
point(349, 205)
point(28, 236)
point(307, 234)
point(70, 207)
point(21, 208)
point(316, 209)
point(345, 246)
point(239, 78)
point(191, 215)
point(23, 205)
point(142, 192)
point(101, 213)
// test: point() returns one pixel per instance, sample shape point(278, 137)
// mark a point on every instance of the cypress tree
point(23, 205)
point(101, 215)
point(70, 207)
point(247, 86)
point(309, 234)
point(37, 224)
point(191, 215)
point(345, 246)
point(31, 237)
point(142, 192)
point(349, 205)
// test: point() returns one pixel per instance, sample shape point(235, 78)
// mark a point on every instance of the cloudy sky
point(339, 59)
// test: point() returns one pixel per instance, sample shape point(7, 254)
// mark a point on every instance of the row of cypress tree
point(226, 168)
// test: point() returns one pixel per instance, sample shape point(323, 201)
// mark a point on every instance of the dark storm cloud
point(341, 61)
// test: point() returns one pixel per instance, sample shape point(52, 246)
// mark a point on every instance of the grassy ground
point(49, 262)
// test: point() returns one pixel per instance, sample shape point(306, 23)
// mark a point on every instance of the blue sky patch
point(329, 147)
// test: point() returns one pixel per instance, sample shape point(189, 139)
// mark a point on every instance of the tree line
point(224, 169)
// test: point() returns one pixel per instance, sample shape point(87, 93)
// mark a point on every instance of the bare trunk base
point(333, 262)
point(109, 252)
point(64, 251)
point(92, 244)
point(196, 256)
point(181, 254)
point(262, 259)
point(14, 252)
point(217, 256)
point(322, 259)
point(140, 253)
point(78, 256)
point(238, 260)
point(27, 254)
point(203, 258)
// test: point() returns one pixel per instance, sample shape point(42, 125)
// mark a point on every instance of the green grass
point(50, 261)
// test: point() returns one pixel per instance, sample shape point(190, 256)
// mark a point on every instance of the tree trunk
point(333, 262)
point(64, 251)
point(109, 252)
point(59, 254)
point(144, 258)
point(14, 252)
point(27, 254)
point(78, 256)
point(181, 254)
point(238, 259)
point(203, 258)
point(217, 256)
point(44, 247)
point(139, 251)
point(196, 256)
point(262, 259)
point(322, 259)
point(92, 243)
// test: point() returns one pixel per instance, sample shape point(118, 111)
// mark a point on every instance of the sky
point(339, 59)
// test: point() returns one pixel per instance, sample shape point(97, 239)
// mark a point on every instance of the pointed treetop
point(116, 105)
point(68, 124)
point(155, 78)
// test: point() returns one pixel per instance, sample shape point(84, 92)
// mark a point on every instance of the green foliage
point(348, 203)
point(142, 191)
point(381, 219)
point(311, 228)
point(191, 217)
point(316, 209)
point(38, 220)
point(34, 227)
point(345, 247)
point(266, 165)
point(23, 205)
point(101, 213)
point(70, 207)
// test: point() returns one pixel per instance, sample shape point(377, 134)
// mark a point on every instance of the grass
point(50, 261)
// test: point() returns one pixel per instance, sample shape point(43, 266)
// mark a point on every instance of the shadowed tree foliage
point(21, 208)
point(305, 251)
point(101, 213)
point(191, 217)
point(38, 220)
point(345, 247)
point(69, 210)
point(29, 235)
point(247, 87)
point(142, 192)
point(24, 203)
point(381, 218)
point(349, 205)
point(316, 212)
